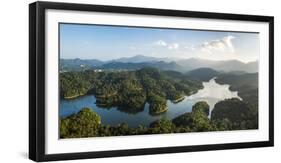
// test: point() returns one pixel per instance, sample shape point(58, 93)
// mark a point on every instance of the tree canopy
point(201, 106)
point(83, 124)
point(129, 90)
point(236, 113)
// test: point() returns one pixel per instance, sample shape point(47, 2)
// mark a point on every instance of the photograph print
point(125, 80)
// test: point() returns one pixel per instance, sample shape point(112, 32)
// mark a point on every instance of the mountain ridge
point(140, 61)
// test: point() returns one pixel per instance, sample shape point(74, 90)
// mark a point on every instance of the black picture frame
point(37, 80)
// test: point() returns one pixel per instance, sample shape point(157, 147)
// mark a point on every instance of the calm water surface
point(211, 93)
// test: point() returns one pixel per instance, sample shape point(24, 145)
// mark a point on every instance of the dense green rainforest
point(130, 90)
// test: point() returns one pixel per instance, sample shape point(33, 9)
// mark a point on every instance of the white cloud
point(228, 42)
point(161, 43)
point(191, 47)
point(222, 45)
point(173, 46)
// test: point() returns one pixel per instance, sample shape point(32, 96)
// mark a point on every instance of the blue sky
point(112, 42)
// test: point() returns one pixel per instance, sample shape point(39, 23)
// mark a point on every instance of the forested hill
point(202, 74)
point(246, 84)
point(129, 89)
point(236, 114)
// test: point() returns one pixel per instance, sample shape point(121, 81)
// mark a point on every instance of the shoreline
point(178, 100)
point(159, 112)
point(73, 97)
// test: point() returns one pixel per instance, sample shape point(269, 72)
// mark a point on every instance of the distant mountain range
point(176, 64)
point(79, 64)
point(136, 59)
point(226, 66)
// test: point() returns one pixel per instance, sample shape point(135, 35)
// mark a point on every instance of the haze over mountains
point(141, 61)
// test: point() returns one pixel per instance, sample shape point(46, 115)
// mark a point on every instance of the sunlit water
point(211, 93)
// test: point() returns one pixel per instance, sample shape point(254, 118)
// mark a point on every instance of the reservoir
point(212, 93)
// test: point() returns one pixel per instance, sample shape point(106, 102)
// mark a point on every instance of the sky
point(113, 42)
